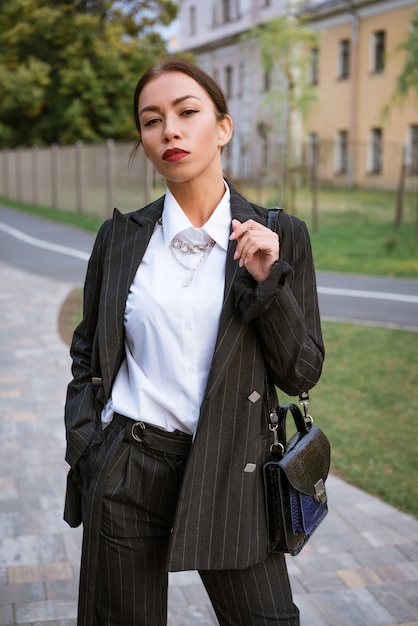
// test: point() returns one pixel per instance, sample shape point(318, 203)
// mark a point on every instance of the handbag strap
point(277, 417)
point(273, 221)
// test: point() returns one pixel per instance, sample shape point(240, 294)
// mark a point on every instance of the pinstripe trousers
point(139, 500)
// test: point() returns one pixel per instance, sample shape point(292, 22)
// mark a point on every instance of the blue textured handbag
point(294, 480)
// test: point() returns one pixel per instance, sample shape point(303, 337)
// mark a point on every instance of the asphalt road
point(61, 252)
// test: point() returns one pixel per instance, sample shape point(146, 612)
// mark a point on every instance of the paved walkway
point(360, 569)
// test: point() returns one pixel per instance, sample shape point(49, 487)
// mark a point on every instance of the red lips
point(174, 154)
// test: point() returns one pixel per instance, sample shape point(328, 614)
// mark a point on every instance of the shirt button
point(187, 325)
point(191, 370)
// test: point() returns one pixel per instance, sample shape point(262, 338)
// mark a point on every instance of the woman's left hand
point(257, 247)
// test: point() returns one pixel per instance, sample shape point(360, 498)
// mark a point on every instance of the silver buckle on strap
point(141, 425)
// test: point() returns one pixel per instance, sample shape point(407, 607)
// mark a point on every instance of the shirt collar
point(218, 226)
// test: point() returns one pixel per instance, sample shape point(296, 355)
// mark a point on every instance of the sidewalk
point(360, 569)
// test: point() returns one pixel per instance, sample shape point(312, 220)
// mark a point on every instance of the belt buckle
point(133, 429)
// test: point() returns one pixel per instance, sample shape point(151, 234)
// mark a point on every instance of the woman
point(193, 311)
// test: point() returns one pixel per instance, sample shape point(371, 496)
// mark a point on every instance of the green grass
point(79, 220)
point(356, 232)
point(367, 404)
point(363, 248)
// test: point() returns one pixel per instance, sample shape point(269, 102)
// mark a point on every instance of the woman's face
point(181, 134)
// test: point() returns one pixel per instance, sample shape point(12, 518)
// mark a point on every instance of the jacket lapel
point(129, 239)
point(231, 327)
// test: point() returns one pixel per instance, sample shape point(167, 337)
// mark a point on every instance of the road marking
point(373, 295)
point(46, 245)
point(329, 291)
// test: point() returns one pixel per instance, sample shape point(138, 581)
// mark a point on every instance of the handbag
point(294, 479)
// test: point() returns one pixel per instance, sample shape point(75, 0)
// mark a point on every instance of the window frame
point(378, 51)
point(341, 152)
point(375, 158)
point(344, 58)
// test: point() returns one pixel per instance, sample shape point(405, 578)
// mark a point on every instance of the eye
point(151, 122)
point(188, 112)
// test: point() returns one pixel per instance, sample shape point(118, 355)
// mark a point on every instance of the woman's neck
point(198, 201)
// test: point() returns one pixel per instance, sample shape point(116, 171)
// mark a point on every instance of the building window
point(192, 20)
point(226, 11)
point(375, 151)
point(313, 66)
point(265, 3)
point(344, 59)
point(341, 152)
point(378, 51)
point(229, 81)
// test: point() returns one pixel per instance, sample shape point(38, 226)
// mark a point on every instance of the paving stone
point(39, 571)
point(321, 581)
point(355, 607)
point(314, 563)
point(339, 543)
point(44, 611)
point(401, 599)
point(193, 614)
point(24, 592)
point(196, 594)
point(30, 549)
point(372, 557)
point(62, 589)
point(410, 570)
point(66, 622)
point(381, 537)
point(6, 614)
point(367, 576)
point(176, 597)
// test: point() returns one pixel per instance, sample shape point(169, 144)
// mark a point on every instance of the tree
point(68, 67)
point(283, 43)
point(407, 81)
point(406, 86)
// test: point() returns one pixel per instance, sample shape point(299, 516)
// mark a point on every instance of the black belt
point(175, 442)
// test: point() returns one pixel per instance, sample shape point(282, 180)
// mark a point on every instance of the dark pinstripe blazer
point(269, 331)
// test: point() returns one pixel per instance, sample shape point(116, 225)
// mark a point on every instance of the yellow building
point(355, 68)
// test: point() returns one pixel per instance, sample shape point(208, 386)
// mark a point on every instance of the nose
point(170, 128)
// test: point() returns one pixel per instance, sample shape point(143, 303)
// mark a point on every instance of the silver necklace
point(189, 248)
point(186, 248)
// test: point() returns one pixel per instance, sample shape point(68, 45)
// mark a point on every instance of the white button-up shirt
point(171, 322)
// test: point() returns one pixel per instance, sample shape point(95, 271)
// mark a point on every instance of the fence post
point(109, 176)
point(314, 187)
point(400, 196)
point(35, 175)
point(18, 161)
point(55, 176)
point(6, 188)
point(79, 175)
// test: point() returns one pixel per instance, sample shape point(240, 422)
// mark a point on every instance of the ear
point(225, 130)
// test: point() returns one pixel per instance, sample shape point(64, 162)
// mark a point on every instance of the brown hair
point(177, 64)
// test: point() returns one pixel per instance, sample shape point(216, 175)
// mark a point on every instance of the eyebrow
point(174, 103)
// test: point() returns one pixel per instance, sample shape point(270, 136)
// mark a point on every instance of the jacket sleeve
point(81, 415)
point(285, 310)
